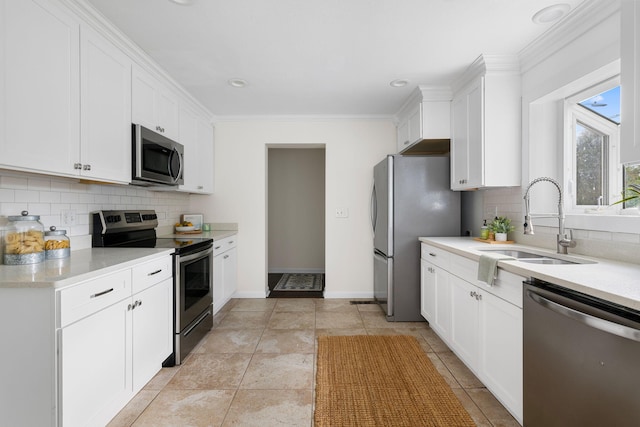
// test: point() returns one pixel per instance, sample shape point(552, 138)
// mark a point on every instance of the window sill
point(625, 221)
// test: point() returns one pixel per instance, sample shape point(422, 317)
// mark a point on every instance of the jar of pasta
point(24, 240)
point(56, 243)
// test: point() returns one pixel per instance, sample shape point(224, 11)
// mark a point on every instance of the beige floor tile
point(292, 320)
point(245, 320)
point(262, 408)
point(340, 331)
point(338, 319)
point(491, 408)
point(230, 341)
point(442, 370)
point(375, 320)
point(369, 307)
point(134, 408)
point(469, 405)
point(335, 305)
point(434, 341)
point(279, 371)
point(287, 341)
point(186, 408)
point(461, 373)
point(211, 372)
point(251, 304)
point(162, 378)
point(295, 304)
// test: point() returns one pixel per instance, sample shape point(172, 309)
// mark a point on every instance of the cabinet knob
point(77, 165)
point(86, 167)
point(200, 187)
point(406, 142)
point(225, 257)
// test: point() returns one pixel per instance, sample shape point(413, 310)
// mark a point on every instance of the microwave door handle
point(180, 162)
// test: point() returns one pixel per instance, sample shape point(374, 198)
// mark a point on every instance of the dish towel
point(488, 267)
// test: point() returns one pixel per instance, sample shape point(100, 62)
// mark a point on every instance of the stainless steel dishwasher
point(581, 359)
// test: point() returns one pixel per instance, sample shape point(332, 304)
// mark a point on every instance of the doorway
point(295, 219)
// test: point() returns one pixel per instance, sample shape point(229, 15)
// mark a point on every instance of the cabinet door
point(168, 113)
point(442, 316)
point(206, 157)
point(189, 139)
point(500, 325)
point(415, 124)
point(39, 94)
point(464, 320)
point(475, 134)
point(403, 134)
point(427, 290)
point(152, 331)
point(95, 366)
point(218, 283)
point(230, 280)
point(630, 84)
point(459, 143)
point(106, 109)
point(143, 99)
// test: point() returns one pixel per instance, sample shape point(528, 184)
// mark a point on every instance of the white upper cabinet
point(630, 82)
point(39, 97)
point(485, 125)
point(425, 115)
point(105, 131)
point(196, 134)
point(153, 105)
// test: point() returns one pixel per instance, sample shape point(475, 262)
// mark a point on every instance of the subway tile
point(7, 195)
point(27, 196)
point(39, 208)
point(599, 235)
point(14, 182)
point(49, 197)
point(39, 184)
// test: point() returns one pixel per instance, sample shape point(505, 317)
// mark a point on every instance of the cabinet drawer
point(150, 273)
point(435, 255)
point(223, 245)
point(91, 296)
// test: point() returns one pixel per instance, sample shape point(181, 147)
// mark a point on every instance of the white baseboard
point(254, 294)
point(297, 270)
point(359, 295)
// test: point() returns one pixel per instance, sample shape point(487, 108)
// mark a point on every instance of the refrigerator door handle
point(374, 208)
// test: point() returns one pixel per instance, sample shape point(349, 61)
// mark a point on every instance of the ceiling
point(321, 57)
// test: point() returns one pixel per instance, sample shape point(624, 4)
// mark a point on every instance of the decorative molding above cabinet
point(424, 122)
point(486, 124)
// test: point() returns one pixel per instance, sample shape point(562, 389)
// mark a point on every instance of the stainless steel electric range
point(192, 270)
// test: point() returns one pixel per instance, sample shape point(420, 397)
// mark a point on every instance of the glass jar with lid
point(24, 240)
point(56, 243)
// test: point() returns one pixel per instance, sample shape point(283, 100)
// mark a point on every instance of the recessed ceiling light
point(399, 83)
point(182, 2)
point(551, 13)
point(237, 82)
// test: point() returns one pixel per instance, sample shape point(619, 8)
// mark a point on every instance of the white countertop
point(613, 281)
point(83, 264)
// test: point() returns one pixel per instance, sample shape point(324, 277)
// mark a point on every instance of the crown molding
point(582, 19)
point(488, 64)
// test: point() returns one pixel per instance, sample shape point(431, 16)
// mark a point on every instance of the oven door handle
point(200, 254)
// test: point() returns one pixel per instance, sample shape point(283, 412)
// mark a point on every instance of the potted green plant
point(631, 193)
point(501, 225)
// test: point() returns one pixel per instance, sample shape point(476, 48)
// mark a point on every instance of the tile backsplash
point(54, 198)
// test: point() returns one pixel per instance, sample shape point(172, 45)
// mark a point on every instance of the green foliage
point(631, 193)
point(501, 224)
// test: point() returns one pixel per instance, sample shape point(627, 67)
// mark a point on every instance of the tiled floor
point(256, 367)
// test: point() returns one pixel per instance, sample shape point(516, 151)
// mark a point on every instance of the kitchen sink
point(532, 258)
point(512, 253)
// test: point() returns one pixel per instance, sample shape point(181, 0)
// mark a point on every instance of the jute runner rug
point(382, 381)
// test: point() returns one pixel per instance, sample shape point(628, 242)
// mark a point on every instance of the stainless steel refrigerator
point(411, 198)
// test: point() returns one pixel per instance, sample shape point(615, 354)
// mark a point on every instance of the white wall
point(296, 210)
point(353, 147)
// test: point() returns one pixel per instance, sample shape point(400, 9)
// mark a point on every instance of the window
point(594, 120)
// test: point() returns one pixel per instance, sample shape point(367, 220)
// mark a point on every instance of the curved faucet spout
point(563, 240)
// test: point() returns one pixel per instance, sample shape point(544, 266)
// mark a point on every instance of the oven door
point(193, 281)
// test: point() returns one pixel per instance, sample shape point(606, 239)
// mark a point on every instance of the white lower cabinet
point(225, 271)
point(481, 324)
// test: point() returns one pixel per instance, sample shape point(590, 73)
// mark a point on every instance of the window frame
point(575, 113)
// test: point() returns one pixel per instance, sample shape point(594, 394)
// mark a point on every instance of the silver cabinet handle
point(99, 294)
point(77, 165)
point(432, 254)
point(217, 247)
point(406, 142)
point(230, 242)
point(225, 257)
point(200, 187)
point(154, 272)
point(86, 167)
point(587, 319)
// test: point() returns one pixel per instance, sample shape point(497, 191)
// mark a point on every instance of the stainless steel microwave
point(155, 158)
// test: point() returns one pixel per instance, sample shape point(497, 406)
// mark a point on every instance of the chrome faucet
point(563, 241)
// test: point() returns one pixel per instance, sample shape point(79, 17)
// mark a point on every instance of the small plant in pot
point(501, 226)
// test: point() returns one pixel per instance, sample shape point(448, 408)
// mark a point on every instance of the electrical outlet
point(342, 213)
point(68, 217)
